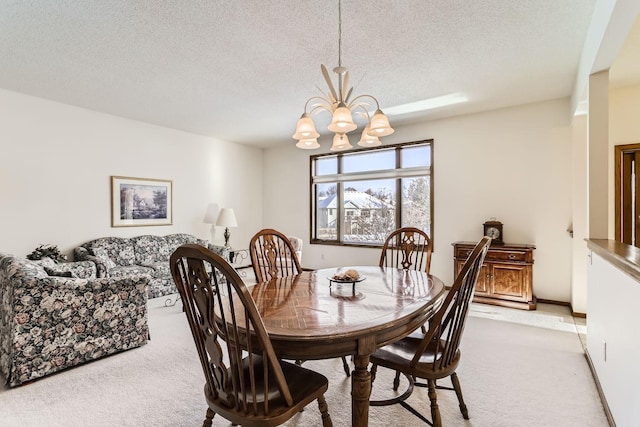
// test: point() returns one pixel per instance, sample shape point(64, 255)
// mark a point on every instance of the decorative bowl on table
point(349, 276)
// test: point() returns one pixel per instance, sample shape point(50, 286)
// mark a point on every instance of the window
point(359, 197)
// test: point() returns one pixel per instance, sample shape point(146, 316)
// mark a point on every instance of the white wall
point(580, 202)
point(624, 123)
point(57, 161)
point(513, 164)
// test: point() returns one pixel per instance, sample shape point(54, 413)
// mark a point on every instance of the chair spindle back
point(273, 255)
point(220, 311)
point(409, 248)
point(446, 327)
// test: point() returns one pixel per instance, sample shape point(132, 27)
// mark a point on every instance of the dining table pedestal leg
point(360, 391)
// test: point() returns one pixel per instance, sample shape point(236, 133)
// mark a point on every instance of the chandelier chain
point(339, 33)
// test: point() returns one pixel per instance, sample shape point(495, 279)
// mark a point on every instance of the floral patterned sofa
point(55, 316)
point(121, 257)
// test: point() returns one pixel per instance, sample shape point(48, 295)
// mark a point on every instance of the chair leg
point(396, 381)
point(456, 387)
point(208, 418)
point(374, 371)
point(435, 412)
point(324, 411)
point(345, 366)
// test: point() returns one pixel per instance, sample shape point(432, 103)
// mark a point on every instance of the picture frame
point(137, 202)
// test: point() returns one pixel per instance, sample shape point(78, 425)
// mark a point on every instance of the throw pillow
point(59, 273)
point(103, 255)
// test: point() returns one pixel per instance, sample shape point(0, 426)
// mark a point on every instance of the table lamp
point(226, 219)
point(210, 217)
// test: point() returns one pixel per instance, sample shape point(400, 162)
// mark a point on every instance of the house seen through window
point(359, 197)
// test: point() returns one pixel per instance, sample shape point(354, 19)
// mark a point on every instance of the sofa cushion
point(130, 270)
point(103, 255)
point(77, 269)
point(176, 240)
point(160, 269)
point(119, 250)
point(150, 249)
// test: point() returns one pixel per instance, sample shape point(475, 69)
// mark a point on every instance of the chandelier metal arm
point(325, 104)
point(353, 102)
point(366, 112)
point(327, 97)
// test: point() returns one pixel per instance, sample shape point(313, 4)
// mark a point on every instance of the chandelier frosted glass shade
point(342, 121)
point(379, 125)
point(368, 140)
point(305, 129)
point(341, 142)
point(308, 144)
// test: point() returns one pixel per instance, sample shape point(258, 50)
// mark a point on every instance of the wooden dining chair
point(245, 381)
point(272, 256)
point(409, 248)
point(434, 355)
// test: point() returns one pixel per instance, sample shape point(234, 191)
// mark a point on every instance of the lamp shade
point(368, 140)
point(308, 144)
point(305, 129)
point(342, 121)
point(379, 125)
point(211, 214)
point(227, 218)
point(340, 142)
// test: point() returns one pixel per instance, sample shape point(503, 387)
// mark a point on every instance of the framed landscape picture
point(140, 202)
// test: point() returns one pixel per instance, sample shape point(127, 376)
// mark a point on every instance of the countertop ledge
point(623, 256)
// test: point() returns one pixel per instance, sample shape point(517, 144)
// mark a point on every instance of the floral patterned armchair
point(296, 242)
point(51, 320)
point(148, 254)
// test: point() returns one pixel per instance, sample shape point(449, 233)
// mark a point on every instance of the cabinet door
point(484, 278)
point(510, 281)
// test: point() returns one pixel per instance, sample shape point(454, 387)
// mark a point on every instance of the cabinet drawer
point(497, 254)
point(517, 256)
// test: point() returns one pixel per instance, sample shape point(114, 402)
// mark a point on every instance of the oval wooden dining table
point(308, 317)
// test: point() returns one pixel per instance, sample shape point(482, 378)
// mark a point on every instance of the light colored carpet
point(512, 374)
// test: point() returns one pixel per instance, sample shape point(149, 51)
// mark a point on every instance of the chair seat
point(305, 386)
point(398, 356)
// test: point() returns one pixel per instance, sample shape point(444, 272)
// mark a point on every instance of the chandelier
point(341, 105)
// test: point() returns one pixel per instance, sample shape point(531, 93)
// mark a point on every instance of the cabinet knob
point(512, 256)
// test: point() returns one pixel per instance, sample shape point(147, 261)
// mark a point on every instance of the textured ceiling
point(242, 70)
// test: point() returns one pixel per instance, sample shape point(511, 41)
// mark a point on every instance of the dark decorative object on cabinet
point(493, 229)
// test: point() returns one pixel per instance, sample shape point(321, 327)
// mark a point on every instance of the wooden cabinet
point(506, 277)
